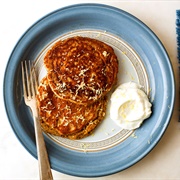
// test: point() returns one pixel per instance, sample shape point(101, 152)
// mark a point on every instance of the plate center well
point(131, 68)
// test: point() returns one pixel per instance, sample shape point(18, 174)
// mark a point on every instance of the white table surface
point(163, 162)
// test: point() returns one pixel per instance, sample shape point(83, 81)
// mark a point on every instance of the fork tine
point(23, 79)
point(27, 69)
point(33, 81)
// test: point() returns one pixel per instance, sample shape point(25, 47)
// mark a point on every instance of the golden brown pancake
point(81, 69)
point(64, 118)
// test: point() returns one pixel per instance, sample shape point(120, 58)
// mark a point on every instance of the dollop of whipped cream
point(130, 106)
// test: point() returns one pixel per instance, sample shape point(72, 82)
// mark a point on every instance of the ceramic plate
point(142, 59)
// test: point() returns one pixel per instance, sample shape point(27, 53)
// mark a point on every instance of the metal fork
point(30, 85)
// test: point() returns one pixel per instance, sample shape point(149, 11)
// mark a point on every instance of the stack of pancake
point(72, 97)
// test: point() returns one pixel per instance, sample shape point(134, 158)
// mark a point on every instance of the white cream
point(130, 106)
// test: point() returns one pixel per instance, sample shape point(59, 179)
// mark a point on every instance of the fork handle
point(44, 166)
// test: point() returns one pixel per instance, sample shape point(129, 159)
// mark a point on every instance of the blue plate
point(145, 44)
